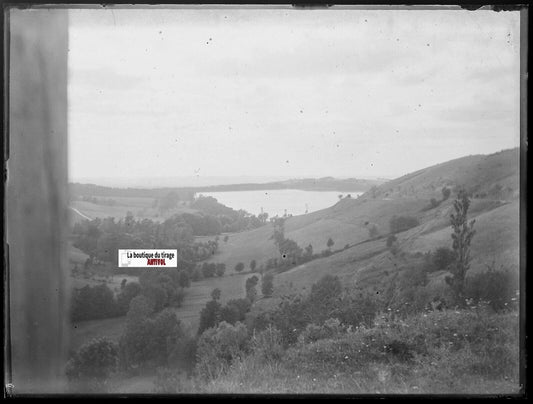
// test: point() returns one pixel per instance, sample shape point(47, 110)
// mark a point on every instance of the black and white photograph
point(276, 200)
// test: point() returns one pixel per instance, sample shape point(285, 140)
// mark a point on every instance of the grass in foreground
point(448, 352)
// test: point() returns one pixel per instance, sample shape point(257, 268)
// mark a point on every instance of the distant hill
point(308, 184)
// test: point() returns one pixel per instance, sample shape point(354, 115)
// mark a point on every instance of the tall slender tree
point(462, 235)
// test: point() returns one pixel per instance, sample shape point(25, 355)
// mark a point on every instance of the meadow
point(197, 295)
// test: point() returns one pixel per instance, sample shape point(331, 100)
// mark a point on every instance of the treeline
point(98, 190)
point(102, 238)
point(99, 201)
point(163, 288)
point(307, 184)
point(230, 220)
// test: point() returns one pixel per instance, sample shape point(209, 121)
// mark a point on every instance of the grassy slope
point(347, 222)
point(497, 238)
point(479, 172)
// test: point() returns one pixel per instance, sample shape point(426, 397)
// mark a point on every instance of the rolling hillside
point(493, 180)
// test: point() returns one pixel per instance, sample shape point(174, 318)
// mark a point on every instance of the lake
point(279, 201)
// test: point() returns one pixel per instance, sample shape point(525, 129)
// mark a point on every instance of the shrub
point(406, 292)
point(326, 253)
point(290, 317)
point(209, 316)
point(140, 307)
point(267, 285)
point(183, 353)
point(446, 192)
point(402, 223)
point(149, 341)
point(327, 288)
point(94, 360)
point(356, 308)
point(267, 344)
point(218, 347)
point(235, 310)
point(220, 269)
point(442, 258)
point(497, 287)
point(239, 267)
point(157, 294)
point(184, 279)
point(216, 294)
point(331, 327)
point(251, 292)
point(209, 269)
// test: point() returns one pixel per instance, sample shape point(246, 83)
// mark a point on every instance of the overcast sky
point(288, 93)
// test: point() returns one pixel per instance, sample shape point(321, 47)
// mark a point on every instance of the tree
point(251, 292)
point(218, 347)
point(267, 285)
point(462, 235)
point(235, 310)
point(239, 267)
point(184, 279)
point(330, 243)
point(220, 269)
point(446, 193)
point(209, 316)
point(215, 294)
point(95, 360)
point(226, 238)
point(126, 295)
point(309, 251)
point(253, 265)
point(140, 308)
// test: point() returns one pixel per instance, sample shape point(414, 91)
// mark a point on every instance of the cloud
point(104, 78)
point(481, 111)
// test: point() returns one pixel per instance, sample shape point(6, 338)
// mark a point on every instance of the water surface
point(279, 201)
